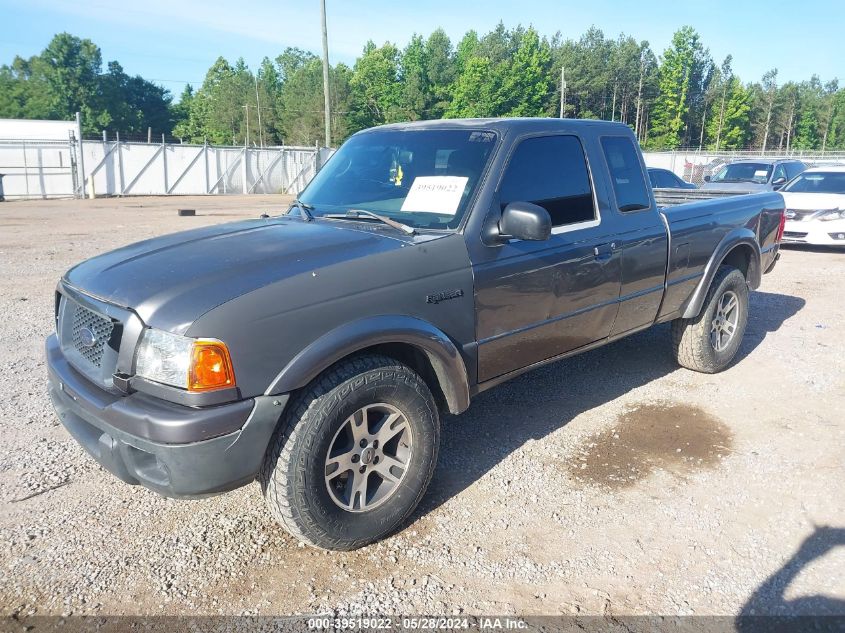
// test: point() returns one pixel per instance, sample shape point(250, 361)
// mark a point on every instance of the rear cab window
point(626, 174)
point(551, 171)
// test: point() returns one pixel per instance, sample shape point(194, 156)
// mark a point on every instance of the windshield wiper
point(304, 209)
point(357, 213)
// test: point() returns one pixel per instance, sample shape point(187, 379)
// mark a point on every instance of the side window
point(626, 173)
point(551, 171)
point(780, 172)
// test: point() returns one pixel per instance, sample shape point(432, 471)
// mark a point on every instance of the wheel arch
point(412, 341)
point(739, 248)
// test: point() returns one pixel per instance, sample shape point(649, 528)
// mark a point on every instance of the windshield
point(422, 178)
point(818, 182)
point(744, 172)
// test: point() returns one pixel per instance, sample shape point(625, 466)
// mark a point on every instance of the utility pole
point(326, 73)
point(640, 96)
point(258, 109)
point(81, 158)
point(562, 91)
point(246, 138)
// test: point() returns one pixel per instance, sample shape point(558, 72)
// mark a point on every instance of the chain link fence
point(34, 169)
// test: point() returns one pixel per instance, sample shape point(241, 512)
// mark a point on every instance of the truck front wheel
point(709, 342)
point(353, 454)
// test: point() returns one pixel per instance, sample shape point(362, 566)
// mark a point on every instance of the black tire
point(691, 338)
point(293, 473)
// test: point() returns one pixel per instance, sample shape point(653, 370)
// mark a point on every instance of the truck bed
point(756, 216)
point(673, 197)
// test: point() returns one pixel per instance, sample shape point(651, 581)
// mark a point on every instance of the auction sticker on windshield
point(435, 194)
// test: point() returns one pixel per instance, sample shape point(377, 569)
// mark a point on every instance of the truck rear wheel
point(709, 342)
point(353, 454)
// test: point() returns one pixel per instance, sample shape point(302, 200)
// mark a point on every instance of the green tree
point(180, 111)
point(812, 118)
point(301, 105)
point(681, 76)
point(440, 71)
point(836, 132)
point(472, 93)
point(765, 109)
point(730, 127)
point(71, 68)
point(132, 104)
point(24, 92)
point(466, 50)
point(789, 102)
point(626, 62)
point(588, 73)
point(376, 92)
point(827, 111)
point(66, 77)
point(522, 83)
point(717, 97)
point(415, 85)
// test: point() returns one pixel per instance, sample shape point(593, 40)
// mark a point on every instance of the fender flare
point(351, 337)
point(742, 236)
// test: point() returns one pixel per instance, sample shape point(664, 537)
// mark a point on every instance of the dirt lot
point(614, 482)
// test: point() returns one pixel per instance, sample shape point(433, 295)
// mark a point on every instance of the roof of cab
point(505, 125)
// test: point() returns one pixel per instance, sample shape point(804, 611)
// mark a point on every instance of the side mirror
point(707, 179)
point(777, 183)
point(525, 221)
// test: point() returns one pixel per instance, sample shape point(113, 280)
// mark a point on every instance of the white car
point(815, 207)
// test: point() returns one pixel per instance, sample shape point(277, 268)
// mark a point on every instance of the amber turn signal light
point(211, 366)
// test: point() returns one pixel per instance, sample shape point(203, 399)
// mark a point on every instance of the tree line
point(679, 98)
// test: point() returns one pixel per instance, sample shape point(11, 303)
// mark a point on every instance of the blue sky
point(175, 41)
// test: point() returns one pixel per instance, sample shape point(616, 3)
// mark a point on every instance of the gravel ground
point(611, 483)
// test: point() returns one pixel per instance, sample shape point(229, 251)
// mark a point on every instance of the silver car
point(754, 175)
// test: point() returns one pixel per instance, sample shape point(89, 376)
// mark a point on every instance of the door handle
point(604, 251)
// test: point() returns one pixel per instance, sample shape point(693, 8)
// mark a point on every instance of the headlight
point(187, 363)
point(832, 214)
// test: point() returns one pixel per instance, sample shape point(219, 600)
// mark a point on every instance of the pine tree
point(680, 76)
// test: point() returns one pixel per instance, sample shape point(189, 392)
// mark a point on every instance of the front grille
point(794, 234)
point(90, 332)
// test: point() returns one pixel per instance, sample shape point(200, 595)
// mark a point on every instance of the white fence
point(53, 168)
point(693, 165)
point(49, 169)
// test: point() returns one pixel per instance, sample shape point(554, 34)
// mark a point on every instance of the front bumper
point(818, 233)
point(175, 450)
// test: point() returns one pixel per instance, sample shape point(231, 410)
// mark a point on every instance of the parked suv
point(754, 175)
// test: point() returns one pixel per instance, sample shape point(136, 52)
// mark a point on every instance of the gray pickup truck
point(425, 263)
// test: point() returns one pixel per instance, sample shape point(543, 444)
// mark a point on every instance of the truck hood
point(172, 280)
point(743, 187)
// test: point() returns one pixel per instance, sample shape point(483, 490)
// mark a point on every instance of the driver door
point(537, 300)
